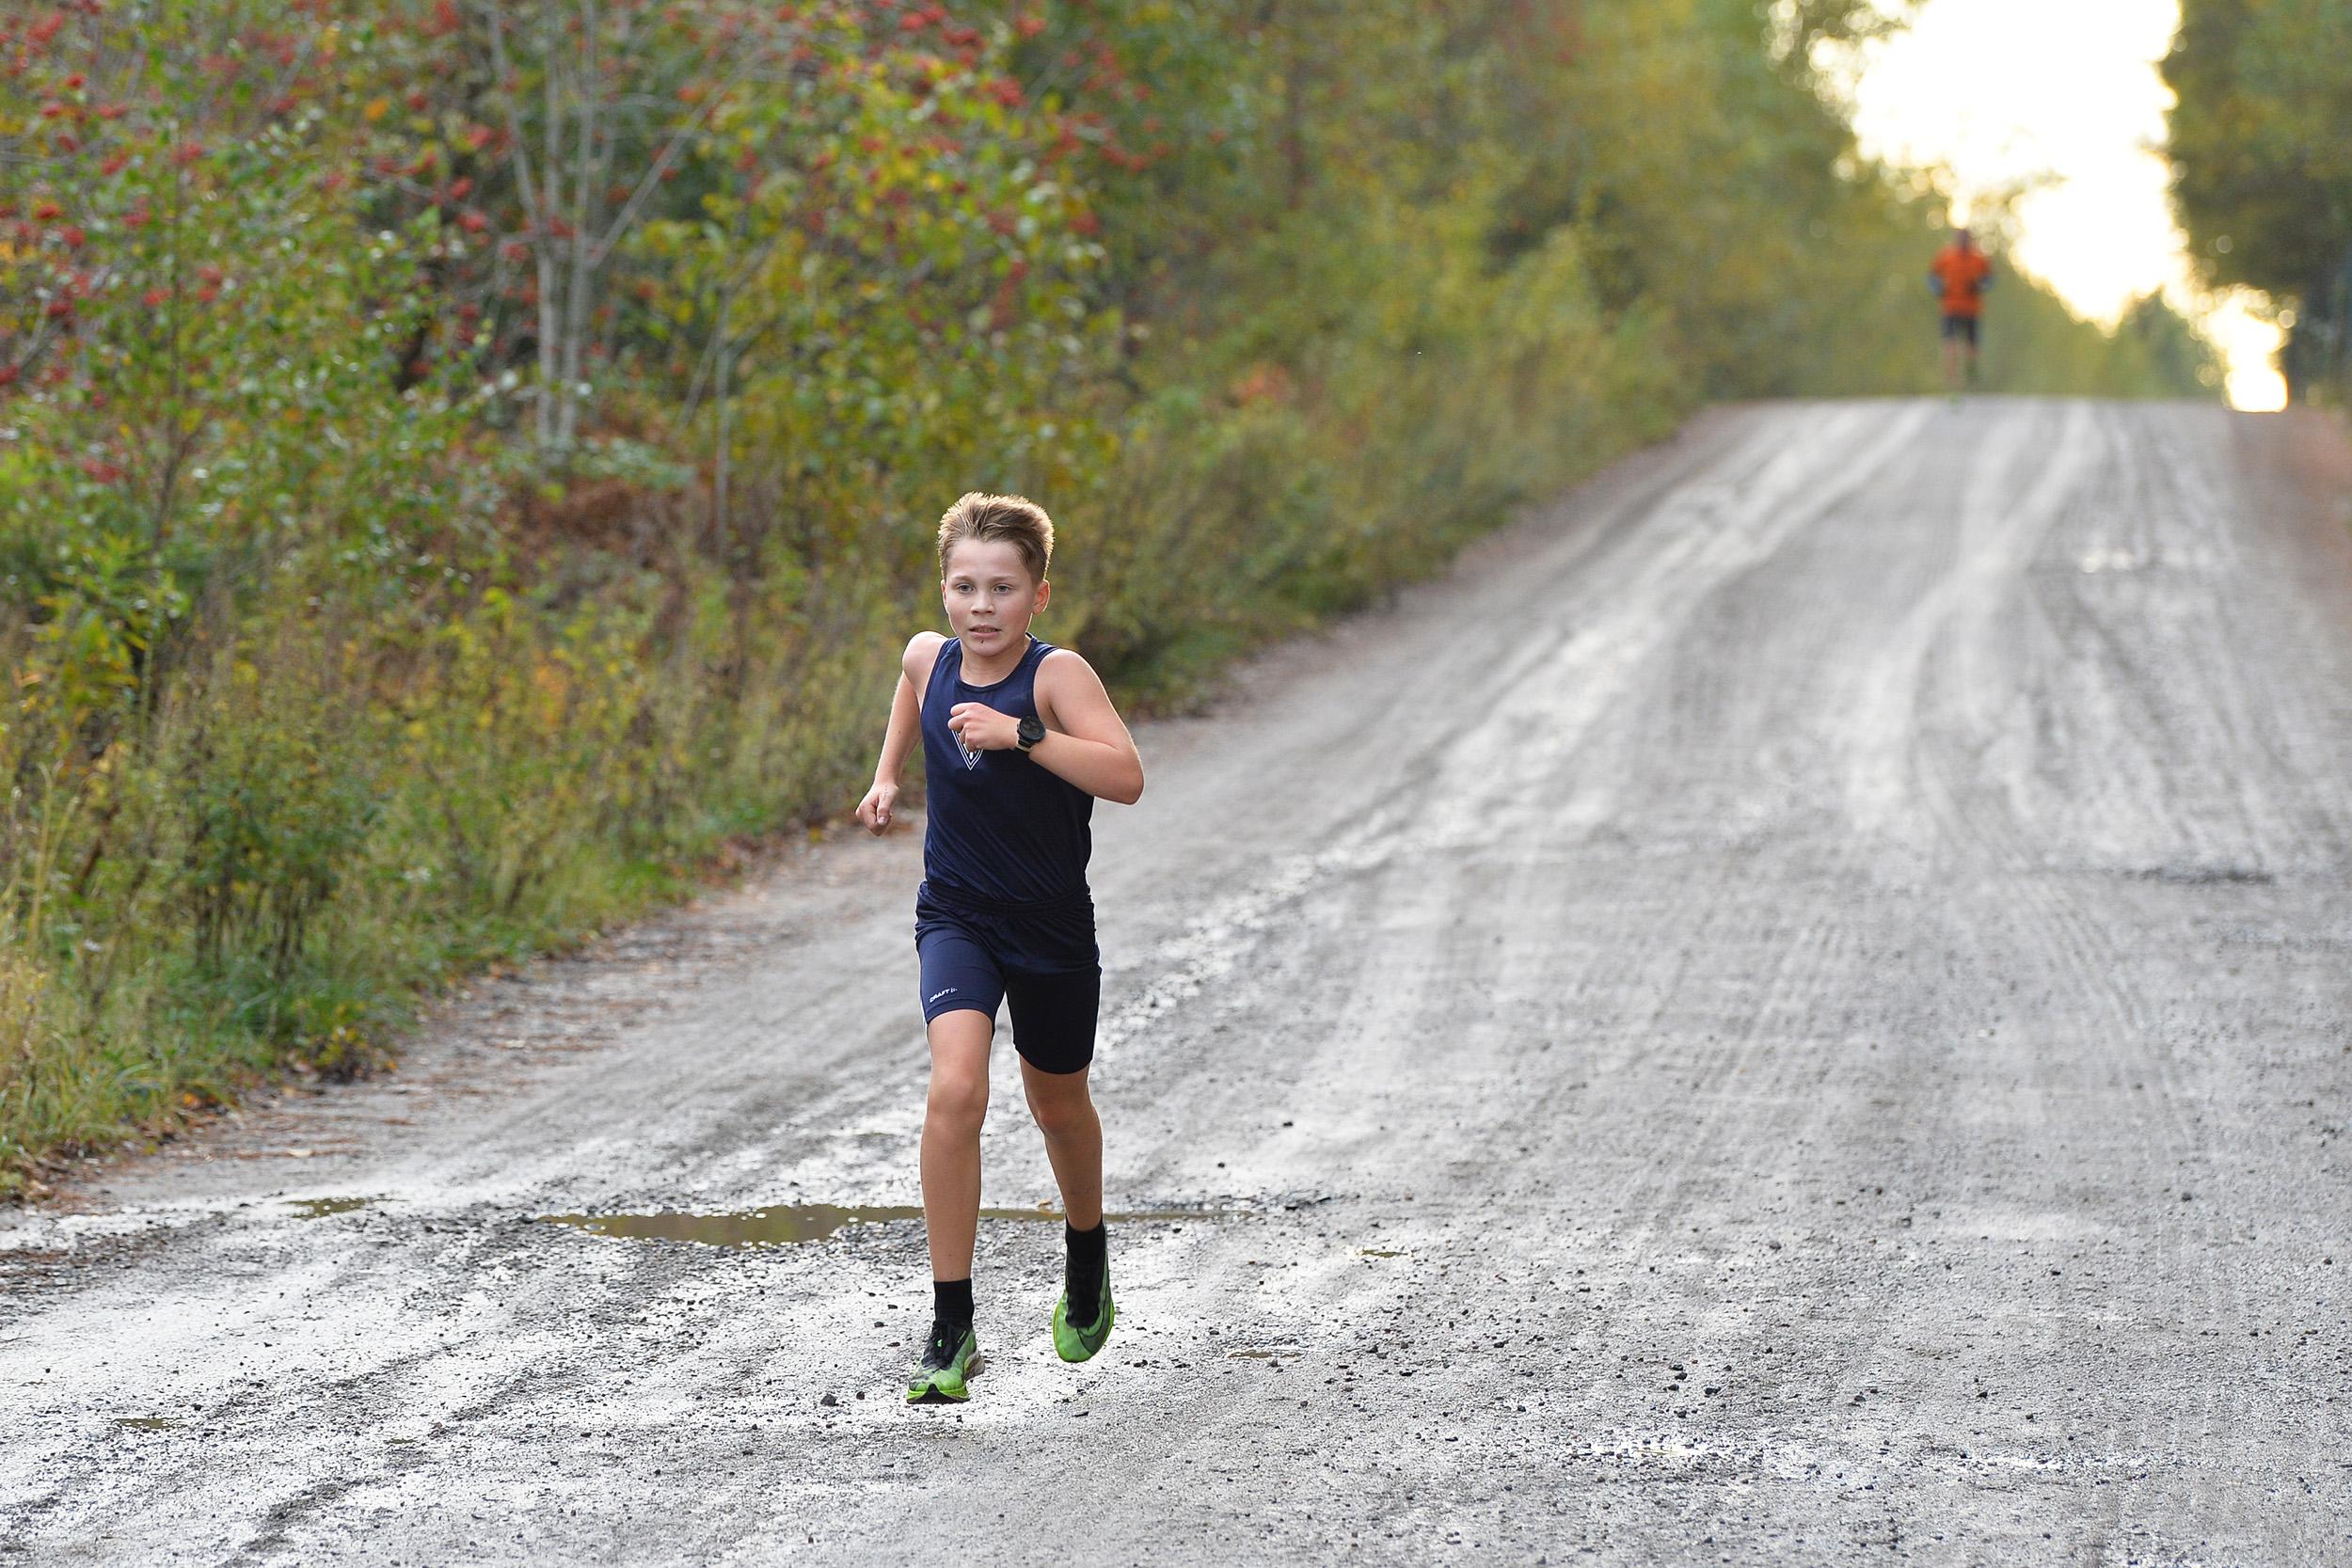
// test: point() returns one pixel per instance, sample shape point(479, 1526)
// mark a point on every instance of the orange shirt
point(1963, 275)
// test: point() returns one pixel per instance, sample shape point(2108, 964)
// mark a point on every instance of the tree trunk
point(584, 217)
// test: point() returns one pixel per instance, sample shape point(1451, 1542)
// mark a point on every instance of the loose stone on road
point(1793, 1009)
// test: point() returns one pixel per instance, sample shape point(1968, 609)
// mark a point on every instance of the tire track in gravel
point(2055, 921)
point(2043, 917)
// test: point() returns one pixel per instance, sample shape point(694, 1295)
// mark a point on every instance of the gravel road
point(1793, 1009)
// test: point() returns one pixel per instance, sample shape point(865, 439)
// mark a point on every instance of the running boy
point(1019, 740)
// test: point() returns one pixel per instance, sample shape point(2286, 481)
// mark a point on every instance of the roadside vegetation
point(2262, 166)
point(466, 465)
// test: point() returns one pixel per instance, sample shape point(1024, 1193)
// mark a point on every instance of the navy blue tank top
point(1003, 829)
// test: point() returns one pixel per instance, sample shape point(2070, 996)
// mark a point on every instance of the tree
point(543, 133)
point(2262, 166)
point(193, 328)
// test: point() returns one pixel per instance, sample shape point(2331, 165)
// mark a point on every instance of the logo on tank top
point(971, 757)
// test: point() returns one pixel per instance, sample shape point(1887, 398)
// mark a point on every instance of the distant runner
point(1019, 740)
point(1960, 274)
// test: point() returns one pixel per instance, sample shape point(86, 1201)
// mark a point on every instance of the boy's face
point(990, 595)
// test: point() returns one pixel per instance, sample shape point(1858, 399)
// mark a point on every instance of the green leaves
point(2263, 167)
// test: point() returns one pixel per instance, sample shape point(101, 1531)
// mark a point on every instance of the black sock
point(1083, 1278)
point(952, 1302)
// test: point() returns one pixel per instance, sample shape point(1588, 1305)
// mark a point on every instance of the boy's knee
point(1059, 1112)
point(960, 1098)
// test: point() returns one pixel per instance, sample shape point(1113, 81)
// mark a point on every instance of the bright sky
point(2063, 96)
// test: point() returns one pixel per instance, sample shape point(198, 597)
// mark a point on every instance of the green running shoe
point(1079, 1344)
point(948, 1362)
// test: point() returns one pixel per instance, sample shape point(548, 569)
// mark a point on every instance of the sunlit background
point(2061, 99)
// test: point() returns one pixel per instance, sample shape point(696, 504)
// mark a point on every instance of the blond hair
point(1015, 519)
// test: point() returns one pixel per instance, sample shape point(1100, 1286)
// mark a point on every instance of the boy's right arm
point(906, 718)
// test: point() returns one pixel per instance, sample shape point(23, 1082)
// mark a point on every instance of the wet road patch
point(791, 1224)
point(320, 1208)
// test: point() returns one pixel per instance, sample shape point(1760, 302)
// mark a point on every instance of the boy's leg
point(953, 1115)
point(1054, 1016)
point(1073, 1140)
point(960, 991)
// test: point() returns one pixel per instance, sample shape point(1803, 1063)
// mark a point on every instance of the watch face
point(1032, 730)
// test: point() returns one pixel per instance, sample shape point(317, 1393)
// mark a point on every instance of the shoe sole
point(934, 1394)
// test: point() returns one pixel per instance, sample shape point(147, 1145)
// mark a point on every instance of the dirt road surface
point(1794, 1010)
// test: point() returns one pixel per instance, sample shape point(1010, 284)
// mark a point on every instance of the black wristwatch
point(1032, 731)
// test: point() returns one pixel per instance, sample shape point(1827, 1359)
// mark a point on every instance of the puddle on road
point(319, 1208)
point(787, 1224)
point(146, 1423)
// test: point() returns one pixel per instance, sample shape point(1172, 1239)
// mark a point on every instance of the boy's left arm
point(1086, 741)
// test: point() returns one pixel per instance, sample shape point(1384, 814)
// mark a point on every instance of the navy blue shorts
point(1040, 958)
point(1961, 326)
